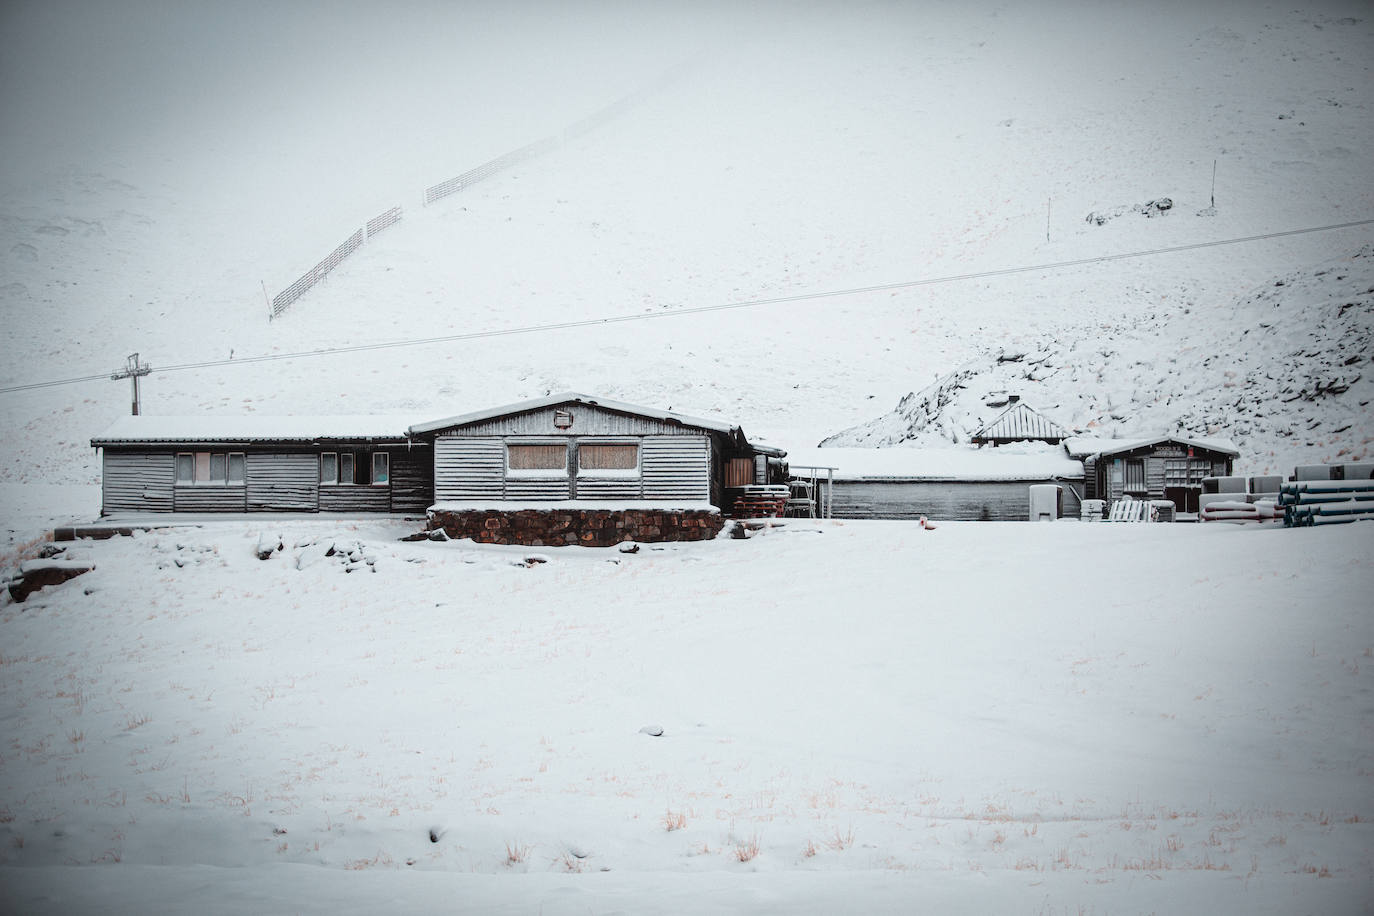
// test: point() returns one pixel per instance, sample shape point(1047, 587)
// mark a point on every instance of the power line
point(701, 309)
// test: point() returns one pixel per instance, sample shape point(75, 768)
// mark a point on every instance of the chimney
point(1012, 399)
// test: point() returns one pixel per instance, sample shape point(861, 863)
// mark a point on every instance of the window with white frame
point(210, 469)
point(381, 469)
point(607, 459)
point(537, 459)
point(329, 467)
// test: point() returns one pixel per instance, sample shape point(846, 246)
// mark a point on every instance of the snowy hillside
point(804, 149)
point(1284, 372)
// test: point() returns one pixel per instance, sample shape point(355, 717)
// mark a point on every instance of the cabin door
point(1184, 498)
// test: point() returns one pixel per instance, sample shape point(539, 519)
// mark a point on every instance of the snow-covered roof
point(1021, 461)
point(1019, 422)
point(1083, 446)
point(249, 428)
point(573, 397)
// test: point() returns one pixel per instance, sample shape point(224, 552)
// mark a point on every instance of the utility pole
point(133, 370)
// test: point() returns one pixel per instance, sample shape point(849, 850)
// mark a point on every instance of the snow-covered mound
point(1285, 372)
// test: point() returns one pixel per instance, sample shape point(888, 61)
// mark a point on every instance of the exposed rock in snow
point(1284, 371)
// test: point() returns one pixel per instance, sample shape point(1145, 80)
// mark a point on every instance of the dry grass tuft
point(748, 849)
point(516, 853)
point(674, 820)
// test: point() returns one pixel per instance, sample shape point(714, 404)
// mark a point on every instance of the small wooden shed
point(960, 484)
point(1162, 467)
point(263, 464)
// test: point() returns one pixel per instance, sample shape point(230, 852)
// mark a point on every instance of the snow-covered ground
point(988, 717)
point(1195, 697)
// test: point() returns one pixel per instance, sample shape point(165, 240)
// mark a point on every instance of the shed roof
point(1028, 461)
point(1086, 447)
point(132, 430)
point(1020, 421)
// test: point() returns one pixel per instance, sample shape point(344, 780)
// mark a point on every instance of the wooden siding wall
point(672, 467)
point(538, 488)
point(587, 421)
point(1154, 476)
point(998, 501)
point(136, 482)
point(610, 487)
point(468, 468)
point(677, 468)
point(283, 481)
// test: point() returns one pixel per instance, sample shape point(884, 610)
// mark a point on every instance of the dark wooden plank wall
point(412, 478)
point(354, 498)
point(136, 481)
point(283, 481)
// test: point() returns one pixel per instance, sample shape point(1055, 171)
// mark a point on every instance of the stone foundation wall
point(587, 527)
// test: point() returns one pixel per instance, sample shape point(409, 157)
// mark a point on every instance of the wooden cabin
point(576, 447)
point(611, 471)
point(957, 484)
point(1164, 467)
point(263, 464)
point(570, 468)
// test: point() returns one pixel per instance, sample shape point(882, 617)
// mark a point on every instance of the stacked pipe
point(1326, 502)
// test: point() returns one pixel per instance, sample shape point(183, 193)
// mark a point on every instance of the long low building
point(961, 484)
point(606, 467)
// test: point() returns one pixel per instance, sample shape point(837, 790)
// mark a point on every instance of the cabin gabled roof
point(1018, 422)
point(1082, 447)
point(570, 397)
